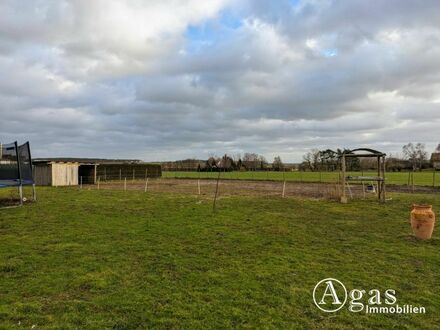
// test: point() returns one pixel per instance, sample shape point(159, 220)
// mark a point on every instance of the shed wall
point(65, 174)
point(108, 172)
point(43, 174)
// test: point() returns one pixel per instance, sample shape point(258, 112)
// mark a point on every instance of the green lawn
point(424, 178)
point(130, 260)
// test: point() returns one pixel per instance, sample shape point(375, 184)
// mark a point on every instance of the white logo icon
point(330, 295)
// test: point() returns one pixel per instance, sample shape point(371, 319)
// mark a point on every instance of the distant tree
point(416, 154)
point(329, 159)
point(352, 163)
point(277, 164)
point(226, 163)
point(438, 148)
point(312, 159)
point(263, 162)
point(211, 163)
point(250, 161)
point(253, 161)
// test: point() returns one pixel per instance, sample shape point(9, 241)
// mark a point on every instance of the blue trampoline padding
point(15, 183)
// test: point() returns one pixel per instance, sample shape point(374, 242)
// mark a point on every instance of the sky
point(165, 80)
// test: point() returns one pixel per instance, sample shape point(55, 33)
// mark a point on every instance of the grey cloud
point(80, 83)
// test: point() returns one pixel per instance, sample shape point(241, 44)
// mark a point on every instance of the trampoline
point(16, 167)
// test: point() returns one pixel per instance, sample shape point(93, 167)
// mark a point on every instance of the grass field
point(133, 260)
point(424, 178)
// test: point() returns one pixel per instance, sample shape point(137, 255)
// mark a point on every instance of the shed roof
point(435, 157)
point(84, 160)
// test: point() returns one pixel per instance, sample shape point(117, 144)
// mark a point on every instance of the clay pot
point(422, 221)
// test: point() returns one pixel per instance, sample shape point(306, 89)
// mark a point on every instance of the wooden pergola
point(380, 178)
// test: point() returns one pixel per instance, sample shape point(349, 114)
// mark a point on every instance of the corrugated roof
point(86, 160)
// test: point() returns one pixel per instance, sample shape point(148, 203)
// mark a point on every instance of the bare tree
point(438, 148)
point(278, 164)
point(416, 154)
point(262, 161)
point(251, 160)
point(312, 159)
point(422, 155)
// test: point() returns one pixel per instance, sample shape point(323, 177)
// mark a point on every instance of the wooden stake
point(216, 191)
point(81, 182)
point(284, 188)
point(198, 185)
point(99, 180)
point(412, 181)
point(363, 188)
point(125, 184)
point(146, 185)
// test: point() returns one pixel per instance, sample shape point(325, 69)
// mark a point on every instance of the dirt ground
point(251, 188)
point(232, 187)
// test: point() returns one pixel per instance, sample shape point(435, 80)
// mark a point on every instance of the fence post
point(216, 191)
point(363, 188)
point(99, 180)
point(120, 175)
point(146, 185)
point(125, 184)
point(198, 185)
point(412, 181)
point(81, 182)
point(284, 188)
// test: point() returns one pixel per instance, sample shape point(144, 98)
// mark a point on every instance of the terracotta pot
point(422, 221)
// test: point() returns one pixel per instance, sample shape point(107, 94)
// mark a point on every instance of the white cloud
point(124, 79)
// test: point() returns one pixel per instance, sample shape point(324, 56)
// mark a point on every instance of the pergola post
point(343, 169)
point(379, 179)
point(383, 179)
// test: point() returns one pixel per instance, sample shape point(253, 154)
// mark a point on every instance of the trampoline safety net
point(15, 165)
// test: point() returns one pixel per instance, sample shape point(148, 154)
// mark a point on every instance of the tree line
point(247, 162)
point(413, 157)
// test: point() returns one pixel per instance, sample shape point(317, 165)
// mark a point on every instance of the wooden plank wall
point(65, 174)
point(43, 175)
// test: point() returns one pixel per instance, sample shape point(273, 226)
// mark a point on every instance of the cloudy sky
point(164, 80)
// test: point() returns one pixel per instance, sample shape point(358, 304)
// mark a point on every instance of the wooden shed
point(73, 171)
point(52, 173)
